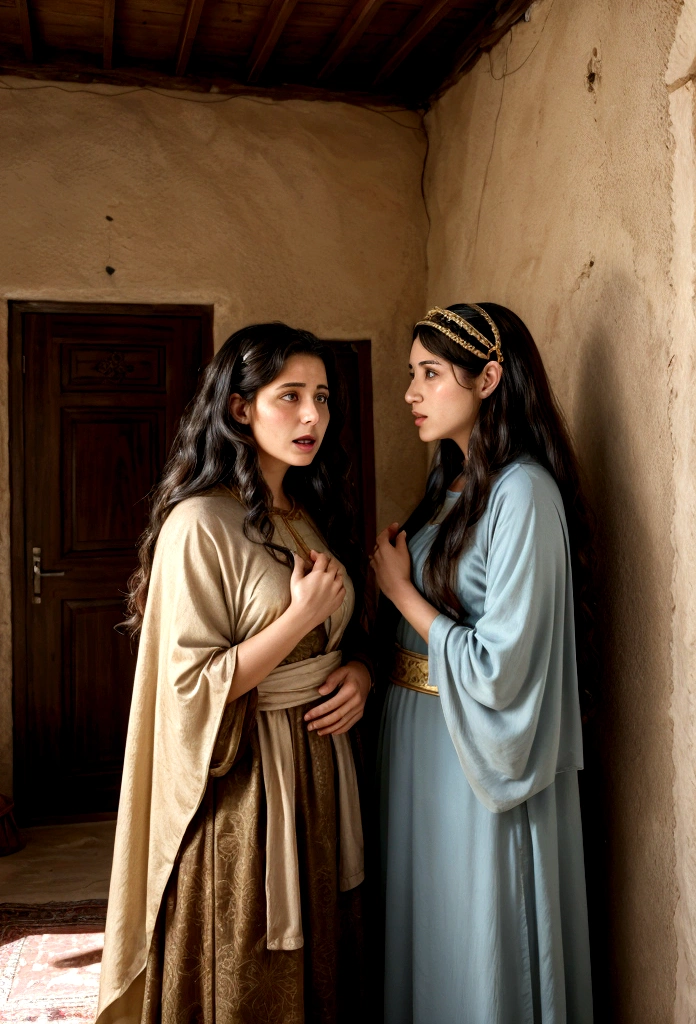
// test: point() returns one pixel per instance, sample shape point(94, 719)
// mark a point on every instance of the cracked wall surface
point(549, 188)
point(306, 212)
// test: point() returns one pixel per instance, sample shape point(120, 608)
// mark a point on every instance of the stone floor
point(60, 863)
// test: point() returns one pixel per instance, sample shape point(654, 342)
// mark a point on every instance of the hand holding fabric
point(392, 566)
point(316, 592)
point(391, 562)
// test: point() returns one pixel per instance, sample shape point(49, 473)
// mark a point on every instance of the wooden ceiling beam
point(26, 29)
point(85, 73)
point(422, 24)
point(109, 21)
point(356, 23)
point(187, 35)
point(267, 39)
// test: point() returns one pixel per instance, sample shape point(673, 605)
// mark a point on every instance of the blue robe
point(486, 915)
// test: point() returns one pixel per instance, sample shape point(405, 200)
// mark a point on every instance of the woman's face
point(289, 416)
point(444, 402)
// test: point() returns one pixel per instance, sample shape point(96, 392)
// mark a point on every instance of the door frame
point(18, 568)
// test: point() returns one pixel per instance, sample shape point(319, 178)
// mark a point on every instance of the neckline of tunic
point(521, 460)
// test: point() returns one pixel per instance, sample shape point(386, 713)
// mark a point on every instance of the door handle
point(37, 574)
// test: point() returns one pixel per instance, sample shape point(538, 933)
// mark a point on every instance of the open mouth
point(419, 419)
point(306, 443)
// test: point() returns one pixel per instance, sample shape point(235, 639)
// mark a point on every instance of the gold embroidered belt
point(288, 686)
point(411, 670)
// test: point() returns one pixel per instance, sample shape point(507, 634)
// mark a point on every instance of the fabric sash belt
point(411, 670)
point(288, 686)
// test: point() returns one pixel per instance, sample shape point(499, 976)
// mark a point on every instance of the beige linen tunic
point(210, 589)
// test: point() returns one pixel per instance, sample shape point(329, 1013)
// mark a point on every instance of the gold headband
point(447, 314)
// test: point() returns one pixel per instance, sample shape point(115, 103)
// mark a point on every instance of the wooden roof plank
point(432, 13)
point(25, 29)
point(359, 17)
point(109, 21)
point(278, 14)
point(307, 41)
point(189, 28)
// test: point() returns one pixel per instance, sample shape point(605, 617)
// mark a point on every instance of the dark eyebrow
point(426, 362)
point(299, 384)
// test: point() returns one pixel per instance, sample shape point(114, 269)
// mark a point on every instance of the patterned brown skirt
point(208, 962)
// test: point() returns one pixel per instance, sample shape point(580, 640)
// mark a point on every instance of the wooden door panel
point(110, 459)
point(103, 367)
point(96, 688)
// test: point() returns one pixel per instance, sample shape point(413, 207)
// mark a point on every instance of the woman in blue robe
point(486, 916)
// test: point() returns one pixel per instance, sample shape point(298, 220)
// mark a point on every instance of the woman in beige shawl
point(235, 892)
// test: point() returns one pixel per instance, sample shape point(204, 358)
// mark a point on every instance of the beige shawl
point(210, 589)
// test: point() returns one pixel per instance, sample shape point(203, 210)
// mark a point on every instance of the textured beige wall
point(550, 191)
point(305, 212)
point(683, 414)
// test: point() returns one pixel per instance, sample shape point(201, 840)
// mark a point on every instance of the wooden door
point(97, 393)
point(355, 365)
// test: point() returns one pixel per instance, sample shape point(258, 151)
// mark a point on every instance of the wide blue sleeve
point(508, 685)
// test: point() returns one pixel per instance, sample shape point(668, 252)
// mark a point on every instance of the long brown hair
point(520, 418)
point(211, 448)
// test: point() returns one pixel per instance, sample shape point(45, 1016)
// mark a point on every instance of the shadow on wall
point(625, 788)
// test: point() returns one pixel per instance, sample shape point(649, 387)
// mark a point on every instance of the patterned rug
point(50, 958)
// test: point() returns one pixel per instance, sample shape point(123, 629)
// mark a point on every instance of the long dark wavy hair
point(520, 418)
point(211, 448)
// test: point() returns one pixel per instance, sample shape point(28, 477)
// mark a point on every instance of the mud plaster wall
point(683, 413)
point(306, 212)
point(549, 187)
